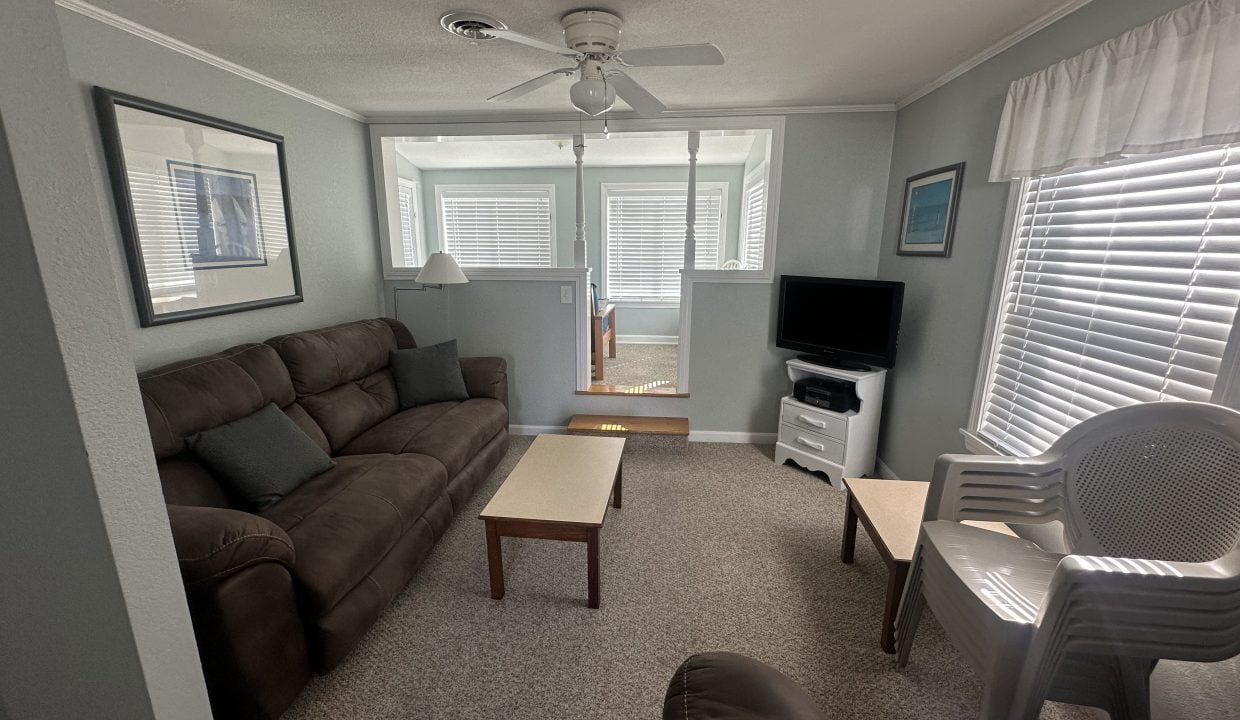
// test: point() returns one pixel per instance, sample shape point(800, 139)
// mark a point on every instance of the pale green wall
point(930, 390)
point(830, 221)
point(333, 209)
point(945, 302)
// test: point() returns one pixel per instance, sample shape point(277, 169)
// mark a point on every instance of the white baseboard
point(648, 339)
point(705, 436)
point(722, 436)
point(885, 470)
point(537, 429)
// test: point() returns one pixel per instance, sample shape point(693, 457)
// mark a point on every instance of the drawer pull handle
point(811, 421)
point(807, 443)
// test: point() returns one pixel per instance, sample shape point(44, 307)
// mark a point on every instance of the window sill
point(730, 276)
point(638, 304)
point(975, 444)
point(496, 273)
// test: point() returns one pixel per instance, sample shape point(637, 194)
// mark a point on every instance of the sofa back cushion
point(340, 374)
point(190, 396)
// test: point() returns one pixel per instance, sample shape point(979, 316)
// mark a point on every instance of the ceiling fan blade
point(635, 95)
point(530, 86)
point(704, 54)
point(532, 42)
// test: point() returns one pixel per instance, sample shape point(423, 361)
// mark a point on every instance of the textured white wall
point(93, 611)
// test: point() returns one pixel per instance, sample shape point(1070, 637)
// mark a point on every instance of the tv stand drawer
point(812, 444)
point(815, 421)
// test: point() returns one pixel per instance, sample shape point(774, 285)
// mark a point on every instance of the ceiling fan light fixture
point(592, 96)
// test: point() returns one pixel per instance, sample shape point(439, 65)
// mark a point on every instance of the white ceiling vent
point(471, 25)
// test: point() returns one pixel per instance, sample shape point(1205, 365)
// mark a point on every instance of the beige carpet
point(641, 364)
point(716, 548)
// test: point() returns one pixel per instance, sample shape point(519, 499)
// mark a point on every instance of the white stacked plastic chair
point(1149, 496)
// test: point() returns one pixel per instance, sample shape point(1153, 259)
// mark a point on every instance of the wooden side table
point(891, 511)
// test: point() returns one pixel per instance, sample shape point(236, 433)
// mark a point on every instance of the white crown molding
point(1041, 23)
point(490, 117)
point(146, 33)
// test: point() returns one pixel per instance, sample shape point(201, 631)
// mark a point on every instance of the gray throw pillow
point(262, 457)
point(428, 375)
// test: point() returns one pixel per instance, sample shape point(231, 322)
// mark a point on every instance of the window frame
point(722, 187)
point(760, 172)
point(384, 135)
point(415, 223)
point(1227, 383)
point(547, 188)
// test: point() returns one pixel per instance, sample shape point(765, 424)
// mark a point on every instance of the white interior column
point(579, 242)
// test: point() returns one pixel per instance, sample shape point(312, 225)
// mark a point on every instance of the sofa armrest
point(727, 686)
point(486, 377)
point(213, 543)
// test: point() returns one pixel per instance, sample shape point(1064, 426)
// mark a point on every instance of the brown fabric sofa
point(277, 595)
point(728, 686)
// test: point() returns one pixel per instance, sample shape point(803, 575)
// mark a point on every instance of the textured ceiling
point(391, 57)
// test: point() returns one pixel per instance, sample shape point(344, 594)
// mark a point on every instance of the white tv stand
point(838, 444)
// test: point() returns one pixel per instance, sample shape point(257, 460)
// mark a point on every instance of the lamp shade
point(592, 95)
point(441, 269)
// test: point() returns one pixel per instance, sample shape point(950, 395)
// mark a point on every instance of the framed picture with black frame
point(204, 210)
point(928, 218)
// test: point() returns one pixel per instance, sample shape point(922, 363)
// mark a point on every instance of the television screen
point(840, 319)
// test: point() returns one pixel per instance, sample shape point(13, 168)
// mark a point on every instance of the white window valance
point(1170, 85)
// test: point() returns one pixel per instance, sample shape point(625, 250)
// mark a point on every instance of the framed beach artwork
point(203, 207)
point(928, 220)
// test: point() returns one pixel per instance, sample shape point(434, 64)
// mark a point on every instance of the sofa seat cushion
point(343, 522)
point(452, 433)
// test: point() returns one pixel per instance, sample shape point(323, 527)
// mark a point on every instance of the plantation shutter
point(646, 240)
point(497, 227)
point(753, 228)
point(408, 222)
point(1121, 288)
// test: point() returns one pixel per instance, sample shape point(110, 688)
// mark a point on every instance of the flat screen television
point(849, 324)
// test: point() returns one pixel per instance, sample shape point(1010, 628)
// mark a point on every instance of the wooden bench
point(626, 426)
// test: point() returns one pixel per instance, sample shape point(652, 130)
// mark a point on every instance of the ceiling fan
point(591, 38)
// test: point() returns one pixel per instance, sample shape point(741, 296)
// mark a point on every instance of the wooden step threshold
point(628, 425)
point(631, 391)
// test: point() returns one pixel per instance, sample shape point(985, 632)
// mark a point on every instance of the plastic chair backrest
point(1158, 481)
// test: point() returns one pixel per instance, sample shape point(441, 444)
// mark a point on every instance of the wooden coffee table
point(891, 512)
point(558, 491)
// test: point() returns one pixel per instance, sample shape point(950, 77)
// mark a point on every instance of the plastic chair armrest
point(995, 488)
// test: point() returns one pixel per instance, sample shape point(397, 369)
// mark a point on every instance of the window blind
point(1121, 287)
point(405, 192)
point(168, 237)
point(753, 227)
point(507, 226)
point(645, 240)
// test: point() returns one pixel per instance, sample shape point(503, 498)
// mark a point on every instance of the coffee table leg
point(615, 490)
point(850, 531)
point(495, 560)
point(895, 588)
point(592, 567)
